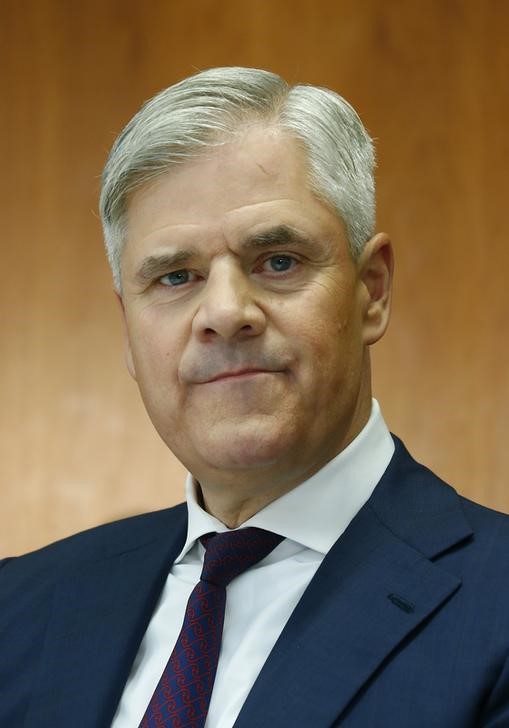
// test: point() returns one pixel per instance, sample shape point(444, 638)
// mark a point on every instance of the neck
point(231, 514)
point(234, 497)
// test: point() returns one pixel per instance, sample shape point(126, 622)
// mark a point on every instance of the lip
point(239, 374)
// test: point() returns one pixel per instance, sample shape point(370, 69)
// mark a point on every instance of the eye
point(279, 263)
point(177, 278)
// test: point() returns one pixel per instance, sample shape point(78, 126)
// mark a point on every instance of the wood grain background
point(429, 78)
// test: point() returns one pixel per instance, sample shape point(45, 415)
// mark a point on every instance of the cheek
point(155, 355)
point(331, 351)
point(324, 332)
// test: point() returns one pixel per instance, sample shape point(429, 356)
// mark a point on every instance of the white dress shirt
point(259, 602)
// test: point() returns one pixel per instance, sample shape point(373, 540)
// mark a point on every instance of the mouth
point(238, 375)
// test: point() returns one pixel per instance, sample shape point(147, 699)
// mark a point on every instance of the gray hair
point(208, 109)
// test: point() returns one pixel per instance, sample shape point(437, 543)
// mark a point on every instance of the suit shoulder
point(95, 543)
point(429, 514)
point(486, 520)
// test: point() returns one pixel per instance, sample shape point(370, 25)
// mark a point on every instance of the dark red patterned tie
point(182, 696)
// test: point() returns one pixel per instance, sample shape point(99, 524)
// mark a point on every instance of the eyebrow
point(156, 265)
point(278, 235)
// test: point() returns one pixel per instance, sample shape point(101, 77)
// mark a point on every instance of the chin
point(242, 448)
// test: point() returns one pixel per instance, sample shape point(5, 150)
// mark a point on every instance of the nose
point(227, 307)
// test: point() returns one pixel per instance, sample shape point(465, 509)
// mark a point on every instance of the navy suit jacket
point(405, 624)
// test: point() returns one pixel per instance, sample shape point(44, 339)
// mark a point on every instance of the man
point(238, 216)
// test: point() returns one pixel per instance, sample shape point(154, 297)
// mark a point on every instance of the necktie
point(182, 696)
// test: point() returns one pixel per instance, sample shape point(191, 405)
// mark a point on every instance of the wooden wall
point(429, 78)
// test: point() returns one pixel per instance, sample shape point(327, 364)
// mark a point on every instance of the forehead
point(259, 178)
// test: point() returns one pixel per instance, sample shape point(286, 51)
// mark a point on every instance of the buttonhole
point(402, 603)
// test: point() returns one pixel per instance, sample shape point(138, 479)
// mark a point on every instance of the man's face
point(247, 319)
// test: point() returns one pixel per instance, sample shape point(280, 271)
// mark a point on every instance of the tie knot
point(230, 553)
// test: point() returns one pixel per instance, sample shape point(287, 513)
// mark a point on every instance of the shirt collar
point(318, 511)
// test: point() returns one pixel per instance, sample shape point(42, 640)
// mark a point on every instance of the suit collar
point(375, 586)
point(418, 507)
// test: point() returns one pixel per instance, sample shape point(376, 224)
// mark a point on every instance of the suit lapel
point(371, 591)
point(100, 614)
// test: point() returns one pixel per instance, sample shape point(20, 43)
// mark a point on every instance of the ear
point(376, 266)
point(127, 344)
